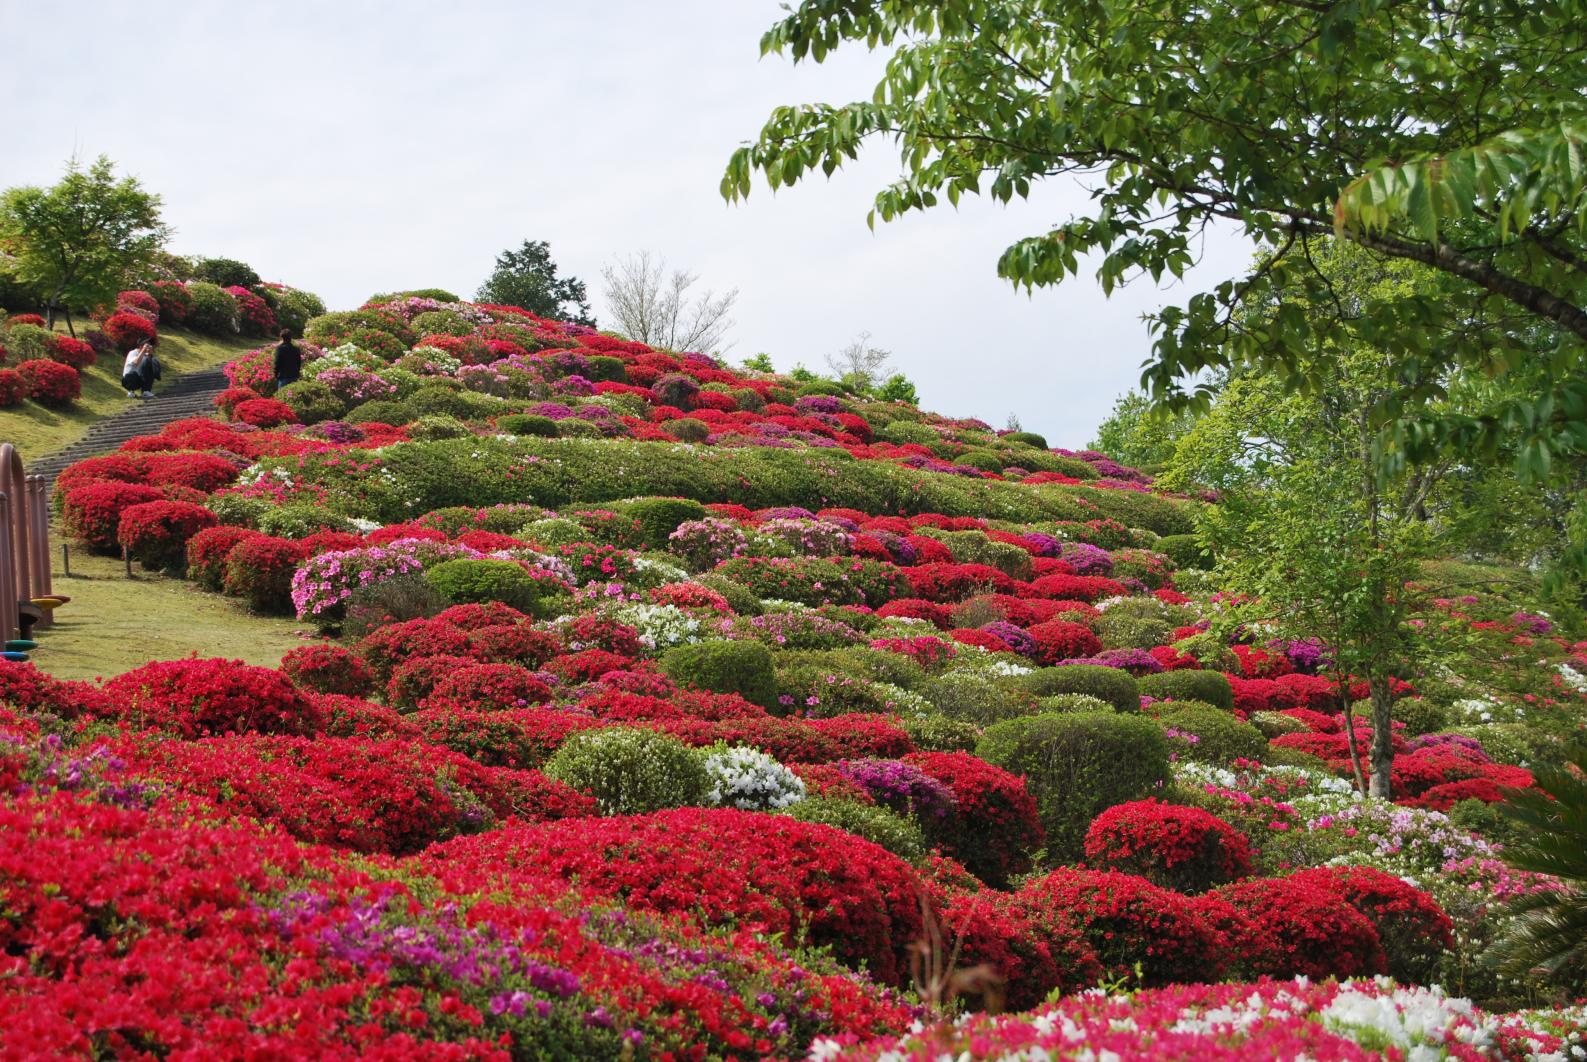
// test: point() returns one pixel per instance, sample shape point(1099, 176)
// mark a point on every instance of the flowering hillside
point(666, 710)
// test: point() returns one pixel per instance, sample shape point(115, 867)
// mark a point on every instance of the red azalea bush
point(586, 666)
point(1181, 848)
point(327, 669)
point(254, 314)
point(207, 552)
point(1127, 920)
point(488, 687)
point(228, 400)
point(522, 737)
point(1059, 639)
point(260, 568)
point(128, 330)
point(26, 688)
point(156, 533)
point(92, 512)
point(264, 412)
point(947, 583)
point(803, 880)
point(1078, 587)
point(1295, 927)
point(414, 679)
point(13, 388)
point(346, 716)
point(135, 299)
point(1412, 927)
point(25, 319)
point(203, 472)
point(386, 648)
point(69, 350)
point(174, 300)
point(994, 827)
point(195, 698)
point(50, 383)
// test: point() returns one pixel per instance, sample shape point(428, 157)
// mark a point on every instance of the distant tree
point(1139, 435)
point(227, 272)
point(528, 278)
point(76, 241)
point(898, 388)
point(653, 306)
point(860, 361)
point(759, 363)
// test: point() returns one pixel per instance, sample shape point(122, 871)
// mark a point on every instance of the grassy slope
point(35, 430)
point(114, 624)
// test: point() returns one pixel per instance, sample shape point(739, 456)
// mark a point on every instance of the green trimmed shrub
point(876, 824)
point(1220, 736)
point(1273, 724)
point(241, 509)
point(1188, 685)
point(1184, 551)
point(973, 699)
point(903, 432)
point(441, 323)
point(395, 600)
point(938, 733)
point(1111, 684)
point(478, 580)
point(379, 411)
point(25, 342)
point(1209, 650)
point(1420, 715)
point(689, 429)
point(985, 460)
point(659, 517)
point(1277, 756)
point(604, 367)
point(439, 426)
point(464, 405)
point(312, 401)
point(527, 424)
point(215, 311)
point(438, 294)
point(300, 521)
point(1077, 765)
point(225, 272)
point(724, 666)
point(630, 770)
point(740, 598)
point(1130, 632)
point(1073, 702)
point(1027, 438)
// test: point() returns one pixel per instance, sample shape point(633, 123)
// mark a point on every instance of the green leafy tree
point(1139, 434)
point(759, 362)
point(76, 241)
point(1446, 134)
point(898, 388)
point(528, 278)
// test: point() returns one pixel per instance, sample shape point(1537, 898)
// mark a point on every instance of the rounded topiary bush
point(527, 424)
point(749, 779)
point(196, 698)
point(477, 580)
point(659, 517)
point(630, 771)
point(1287, 927)
point(993, 828)
point(1188, 684)
point(311, 401)
point(328, 669)
point(1212, 734)
point(808, 882)
point(1130, 923)
point(1185, 551)
point(50, 383)
point(156, 533)
point(879, 825)
point(1413, 929)
point(1114, 685)
point(721, 666)
point(1077, 764)
point(1181, 848)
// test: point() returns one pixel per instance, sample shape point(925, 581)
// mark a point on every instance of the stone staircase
point(190, 395)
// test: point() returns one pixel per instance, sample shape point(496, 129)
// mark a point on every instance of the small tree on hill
point(859, 363)
point(652, 305)
point(76, 240)
point(528, 278)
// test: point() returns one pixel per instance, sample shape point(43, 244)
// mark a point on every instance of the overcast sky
point(351, 147)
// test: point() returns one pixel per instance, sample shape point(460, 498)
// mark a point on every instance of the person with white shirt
point(135, 372)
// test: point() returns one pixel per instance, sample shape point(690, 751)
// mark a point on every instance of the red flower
point(1181, 848)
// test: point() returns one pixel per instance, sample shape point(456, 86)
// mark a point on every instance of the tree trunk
point(67, 310)
point(1382, 736)
point(1350, 736)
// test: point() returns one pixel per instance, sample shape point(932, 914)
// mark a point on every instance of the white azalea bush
point(749, 779)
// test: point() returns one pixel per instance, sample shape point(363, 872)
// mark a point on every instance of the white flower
point(750, 779)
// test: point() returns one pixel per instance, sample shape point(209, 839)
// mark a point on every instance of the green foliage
point(759, 363)
point(312, 401)
point(225, 272)
point(1113, 685)
point(1220, 737)
point(439, 426)
point(1138, 434)
point(892, 831)
point(1259, 115)
point(1072, 702)
point(1122, 631)
point(438, 294)
point(527, 424)
point(939, 733)
point(25, 342)
point(740, 598)
point(466, 580)
point(1184, 550)
point(293, 309)
point(1026, 438)
point(379, 411)
point(630, 770)
point(973, 699)
point(75, 241)
point(527, 278)
point(898, 388)
point(659, 517)
point(1076, 765)
point(299, 521)
point(215, 311)
point(1188, 685)
point(724, 666)
point(1549, 934)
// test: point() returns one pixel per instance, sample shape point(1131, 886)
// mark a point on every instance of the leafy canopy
point(528, 278)
point(76, 240)
point(1446, 133)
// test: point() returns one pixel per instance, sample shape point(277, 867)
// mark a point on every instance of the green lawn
point(36, 430)
point(114, 624)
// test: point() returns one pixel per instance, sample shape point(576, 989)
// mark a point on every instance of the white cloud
point(355, 147)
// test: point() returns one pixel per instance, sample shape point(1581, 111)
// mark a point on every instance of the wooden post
point(126, 560)
point(66, 561)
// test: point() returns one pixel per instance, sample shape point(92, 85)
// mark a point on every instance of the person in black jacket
point(289, 361)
